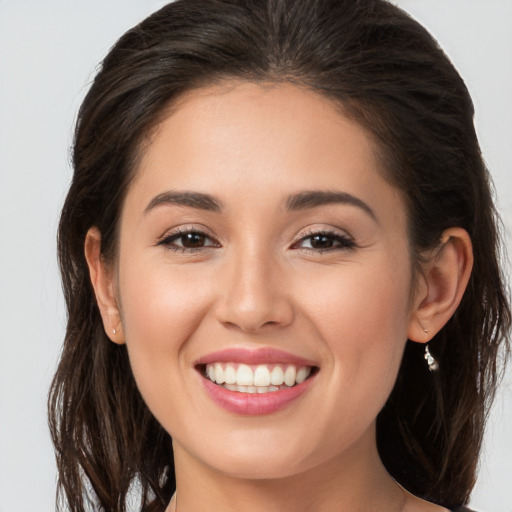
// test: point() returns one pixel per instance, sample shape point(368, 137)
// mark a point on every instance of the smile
point(255, 382)
point(263, 378)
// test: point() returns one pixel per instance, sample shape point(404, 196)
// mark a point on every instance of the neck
point(355, 481)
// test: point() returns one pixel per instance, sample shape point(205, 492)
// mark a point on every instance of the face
point(260, 245)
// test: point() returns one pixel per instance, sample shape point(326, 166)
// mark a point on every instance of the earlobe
point(443, 282)
point(102, 280)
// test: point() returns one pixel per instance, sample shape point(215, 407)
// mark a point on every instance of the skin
point(257, 282)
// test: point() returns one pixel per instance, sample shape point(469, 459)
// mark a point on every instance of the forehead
point(259, 141)
point(250, 124)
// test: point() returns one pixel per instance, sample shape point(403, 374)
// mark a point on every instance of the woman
point(279, 255)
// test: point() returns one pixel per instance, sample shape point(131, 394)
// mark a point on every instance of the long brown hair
point(387, 73)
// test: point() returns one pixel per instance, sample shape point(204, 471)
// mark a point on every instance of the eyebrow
point(314, 198)
point(296, 202)
point(191, 199)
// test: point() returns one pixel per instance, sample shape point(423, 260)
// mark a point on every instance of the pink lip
point(258, 356)
point(255, 404)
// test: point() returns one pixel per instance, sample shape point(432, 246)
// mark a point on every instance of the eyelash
point(168, 240)
point(344, 242)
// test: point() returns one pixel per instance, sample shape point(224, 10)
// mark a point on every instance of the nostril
point(250, 307)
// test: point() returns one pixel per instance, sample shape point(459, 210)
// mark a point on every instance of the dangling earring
point(433, 365)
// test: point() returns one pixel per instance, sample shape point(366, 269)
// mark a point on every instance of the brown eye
point(188, 241)
point(321, 242)
point(192, 240)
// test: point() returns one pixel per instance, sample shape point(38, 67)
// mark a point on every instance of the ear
point(102, 279)
point(441, 285)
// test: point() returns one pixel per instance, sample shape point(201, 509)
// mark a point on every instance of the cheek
point(373, 298)
point(161, 309)
point(154, 307)
point(362, 317)
point(160, 298)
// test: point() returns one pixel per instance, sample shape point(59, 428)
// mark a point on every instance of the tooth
point(289, 375)
point(219, 373)
point(276, 376)
point(302, 374)
point(230, 374)
point(262, 380)
point(261, 376)
point(244, 376)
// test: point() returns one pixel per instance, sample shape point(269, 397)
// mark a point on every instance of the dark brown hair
point(387, 73)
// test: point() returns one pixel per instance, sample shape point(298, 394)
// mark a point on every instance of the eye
point(188, 240)
point(324, 241)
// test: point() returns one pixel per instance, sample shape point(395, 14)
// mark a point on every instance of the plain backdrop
point(49, 51)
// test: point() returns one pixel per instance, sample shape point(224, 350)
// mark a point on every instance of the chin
point(260, 455)
point(266, 466)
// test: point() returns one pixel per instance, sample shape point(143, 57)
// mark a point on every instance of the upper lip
point(254, 356)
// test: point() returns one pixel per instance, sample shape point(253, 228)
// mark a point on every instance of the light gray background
point(48, 53)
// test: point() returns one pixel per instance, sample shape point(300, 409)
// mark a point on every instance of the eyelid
point(186, 228)
point(344, 239)
point(178, 231)
point(323, 230)
point(340, 235)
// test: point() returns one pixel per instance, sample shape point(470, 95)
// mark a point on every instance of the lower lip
point(255, 404)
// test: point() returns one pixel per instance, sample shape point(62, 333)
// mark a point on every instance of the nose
point(252, 294)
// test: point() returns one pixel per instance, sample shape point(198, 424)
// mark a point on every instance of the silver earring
point(114, 331)
point(433, 365)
